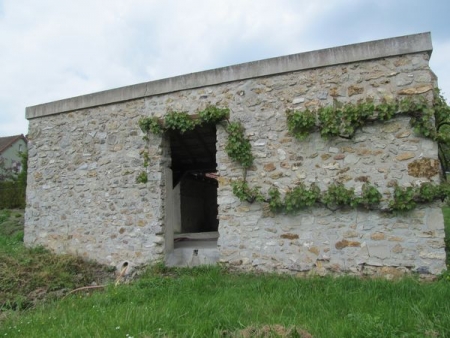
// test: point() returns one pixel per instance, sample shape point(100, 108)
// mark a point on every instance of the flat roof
point(408, 44)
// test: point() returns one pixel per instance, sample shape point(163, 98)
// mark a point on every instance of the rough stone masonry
point(85, 155)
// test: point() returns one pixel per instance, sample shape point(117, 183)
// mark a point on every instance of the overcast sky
point(56, 49)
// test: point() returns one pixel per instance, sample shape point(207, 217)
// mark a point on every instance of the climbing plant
point(182, 121)
point(142, 177)
point(213, 114)
point(344, 120)
point(442, 116)
point(338, 120)
point(238, 146)
point(150, 124)
point(337, 196)
point(179, 121)
point(245, 193)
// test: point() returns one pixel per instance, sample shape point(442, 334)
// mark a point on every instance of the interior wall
point(198, 205)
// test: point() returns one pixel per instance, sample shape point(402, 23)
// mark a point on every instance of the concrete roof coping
point(408, 44)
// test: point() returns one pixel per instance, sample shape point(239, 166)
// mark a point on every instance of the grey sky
point(52, 49)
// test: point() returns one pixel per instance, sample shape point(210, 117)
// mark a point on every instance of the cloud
point(203, 34)
point(52, 50)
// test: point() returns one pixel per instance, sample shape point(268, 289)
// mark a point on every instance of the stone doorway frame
point(185, 249)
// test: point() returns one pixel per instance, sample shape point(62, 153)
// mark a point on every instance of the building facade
point(85, 154)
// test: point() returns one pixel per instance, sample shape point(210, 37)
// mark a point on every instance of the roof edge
point(408, 44)
point(13, 140)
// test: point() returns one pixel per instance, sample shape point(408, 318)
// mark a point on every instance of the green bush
point(13, 188)
point(12, 195)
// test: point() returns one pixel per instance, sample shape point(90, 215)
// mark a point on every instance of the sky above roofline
point(53, 50)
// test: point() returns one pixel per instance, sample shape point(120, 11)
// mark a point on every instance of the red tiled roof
point(6, 142)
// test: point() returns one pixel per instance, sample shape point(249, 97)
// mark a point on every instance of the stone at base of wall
point(363, 271)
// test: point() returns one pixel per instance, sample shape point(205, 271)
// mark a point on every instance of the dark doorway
point(193, 168)
point(198, 202)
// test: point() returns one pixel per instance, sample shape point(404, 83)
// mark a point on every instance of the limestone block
point(405, 156)
point(345, 244)
point(378, 251)
point(424, 167)
point(415, 90)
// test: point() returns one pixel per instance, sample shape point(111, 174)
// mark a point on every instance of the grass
point(29, 275)
point(206, 302)
point(214, 302)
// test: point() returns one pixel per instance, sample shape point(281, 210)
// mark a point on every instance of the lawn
point(215, 302)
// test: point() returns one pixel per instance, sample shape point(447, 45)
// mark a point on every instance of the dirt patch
point(268, 331)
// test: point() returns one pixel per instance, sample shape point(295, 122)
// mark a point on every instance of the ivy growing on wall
point(339, 120)
point(238, 146)
point(337, 196)
point(345, 120)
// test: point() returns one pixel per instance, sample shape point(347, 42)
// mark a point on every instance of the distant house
point(10, 148)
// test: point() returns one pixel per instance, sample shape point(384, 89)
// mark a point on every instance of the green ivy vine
point(337, 196)
point(142, 177)
point(332, 121)
point(245, 193)
point(150, 124)
point(238, 146)
point(344, 120)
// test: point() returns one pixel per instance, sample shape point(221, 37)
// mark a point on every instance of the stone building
point(85, 154)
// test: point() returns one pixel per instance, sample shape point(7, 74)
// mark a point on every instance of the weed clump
point(31, 275)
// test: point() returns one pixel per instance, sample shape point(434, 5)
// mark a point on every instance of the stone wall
point(82, 197)
point(381, 153)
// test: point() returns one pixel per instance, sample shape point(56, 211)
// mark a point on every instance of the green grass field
point(214, 302)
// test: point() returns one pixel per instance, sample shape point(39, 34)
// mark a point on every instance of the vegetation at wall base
point(214, 302)
point(29, 275)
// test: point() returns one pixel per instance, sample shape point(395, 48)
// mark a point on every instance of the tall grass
point(207, 302)
point(31, 274)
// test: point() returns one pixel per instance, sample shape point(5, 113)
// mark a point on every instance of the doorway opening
point(191, 199)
